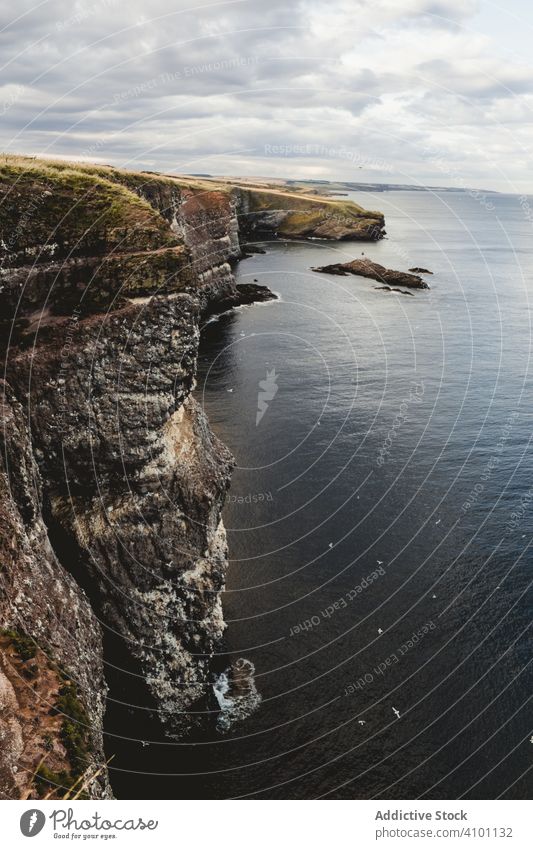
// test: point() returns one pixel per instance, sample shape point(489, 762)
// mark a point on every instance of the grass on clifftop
point(52, 209)
point(73, 175)
point(272, 199)
point(74, 208)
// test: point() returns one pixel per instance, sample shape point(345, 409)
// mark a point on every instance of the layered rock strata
point(112, 481)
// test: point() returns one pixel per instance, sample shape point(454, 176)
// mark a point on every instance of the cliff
point(289, 215)
point(112, 482)
point(52, 689)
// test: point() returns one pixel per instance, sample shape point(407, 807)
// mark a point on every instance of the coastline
point(108, 290)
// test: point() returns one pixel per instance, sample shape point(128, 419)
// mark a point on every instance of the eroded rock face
point(284, 215)
point(138, 480)
point(50, 639)
point(206, 223)
point(113, 483)
point(131, 480)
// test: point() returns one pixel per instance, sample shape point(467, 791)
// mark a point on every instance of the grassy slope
point(55, 202)
point(104, 199)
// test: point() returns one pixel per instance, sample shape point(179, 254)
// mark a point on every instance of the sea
point(379, 521)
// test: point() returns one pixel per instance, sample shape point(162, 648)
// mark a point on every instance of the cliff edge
point(112, 482)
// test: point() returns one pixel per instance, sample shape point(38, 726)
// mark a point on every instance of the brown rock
point(367, 268)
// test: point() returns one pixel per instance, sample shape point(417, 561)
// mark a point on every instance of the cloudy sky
point(436, 92)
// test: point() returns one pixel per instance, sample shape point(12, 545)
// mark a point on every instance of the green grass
point(74, 729)
point(47, 780)
point(74, 208)
point(83, 209)
point(23, 645)
point(261, 201)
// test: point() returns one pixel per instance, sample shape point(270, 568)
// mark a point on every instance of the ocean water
point(380, 518)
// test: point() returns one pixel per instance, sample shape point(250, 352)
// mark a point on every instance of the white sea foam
point(236, 694)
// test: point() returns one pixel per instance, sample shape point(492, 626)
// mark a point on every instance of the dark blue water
point(381, 515)
point(442, 382)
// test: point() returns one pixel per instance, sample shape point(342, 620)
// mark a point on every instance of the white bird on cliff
point(361, 722)
point(380, 631)
point(396, 712)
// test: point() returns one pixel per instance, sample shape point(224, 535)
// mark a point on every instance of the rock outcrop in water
point(112, 481)
point(367, 268)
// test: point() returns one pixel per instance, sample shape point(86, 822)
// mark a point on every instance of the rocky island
point(375, 271)
point(112, 483)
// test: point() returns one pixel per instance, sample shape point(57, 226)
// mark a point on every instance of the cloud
point(210, 86)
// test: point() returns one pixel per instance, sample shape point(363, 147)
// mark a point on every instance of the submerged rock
point(250, 249)
point(392, 289)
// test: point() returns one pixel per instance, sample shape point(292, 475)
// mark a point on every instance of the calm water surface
point(386, 492)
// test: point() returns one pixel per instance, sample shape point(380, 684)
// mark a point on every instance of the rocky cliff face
point(112, 482)
point(135, 482)
point(293, 216)
point(205, 220)
point(52, 689)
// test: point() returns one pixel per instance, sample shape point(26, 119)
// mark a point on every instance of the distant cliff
point(112, 482)
point(292, 216)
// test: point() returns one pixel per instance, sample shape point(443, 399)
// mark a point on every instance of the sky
point(430, 92)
